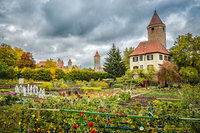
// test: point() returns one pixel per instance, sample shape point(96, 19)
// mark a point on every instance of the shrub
point(47, 86)
point(175, 86)
point(63, 86)
point(44, 74)
point(118, 86)
point(98, 83)
point(138, 81)
point(190, 94)
point(79, 83)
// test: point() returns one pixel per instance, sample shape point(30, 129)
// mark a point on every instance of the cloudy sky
point(75, 29)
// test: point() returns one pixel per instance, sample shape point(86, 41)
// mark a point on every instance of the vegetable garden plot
point(56, 120)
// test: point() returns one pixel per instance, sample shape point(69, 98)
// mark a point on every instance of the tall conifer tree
point(113, 63)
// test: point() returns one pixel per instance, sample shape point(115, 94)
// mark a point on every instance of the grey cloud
point(76, 29)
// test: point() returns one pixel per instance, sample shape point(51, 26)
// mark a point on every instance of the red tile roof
point(155, 19)
point(146, 47)
point(97, 54)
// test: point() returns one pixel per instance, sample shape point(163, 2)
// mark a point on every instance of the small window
point(141, 66)
point(149, 57)
point(135, 67)
point(165, 58)
point(141, 58)
point(161, 57)
point(169, 58)
point(135, 59)
point(152, 29)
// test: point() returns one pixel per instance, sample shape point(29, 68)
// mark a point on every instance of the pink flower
point(10, 92)
point(29, 130)
point(5, 93)
point(118, 99)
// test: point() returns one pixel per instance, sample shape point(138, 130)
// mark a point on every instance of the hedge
point(42, 74)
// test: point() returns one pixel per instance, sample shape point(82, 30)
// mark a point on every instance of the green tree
point(26, 60)
point(8, 55)
point(150, 74)
point(50, 64)
point(185, 51)
point(168, 73)
point(113, 63)
point(126, 58)
point(11, 73)
point(3, 69)
point(189, 74)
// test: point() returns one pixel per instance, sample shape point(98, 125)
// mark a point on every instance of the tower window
point(152, 29)
point(163, 29)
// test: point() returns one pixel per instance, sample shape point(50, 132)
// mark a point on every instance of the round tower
point(70, 64)
point(156, 30)
point(97, 62)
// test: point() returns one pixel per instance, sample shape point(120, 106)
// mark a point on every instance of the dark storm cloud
point(76, 29)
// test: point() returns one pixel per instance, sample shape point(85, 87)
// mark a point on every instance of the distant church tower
point(70, 64)
point(97, 65)
point(156, 30)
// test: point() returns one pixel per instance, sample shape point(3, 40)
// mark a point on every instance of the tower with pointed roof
point(156, 30)
point(70, 64)
point(97, 64)
point(151, 53)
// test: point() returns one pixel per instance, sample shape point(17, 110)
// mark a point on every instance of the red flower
point(86, 93)
point(81, 97)
point(81, 114)
point(91, 124)
point(93, 131)
point(88, 96)
point(75, 126)
point(78, 95)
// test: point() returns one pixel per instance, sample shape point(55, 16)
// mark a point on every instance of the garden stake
point(22, 121)
point(81, 121)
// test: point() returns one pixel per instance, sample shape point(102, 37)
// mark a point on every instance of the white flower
point(118, 99)
point(141, 128)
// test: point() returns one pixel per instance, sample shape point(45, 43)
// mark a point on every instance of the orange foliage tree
point(168, 73)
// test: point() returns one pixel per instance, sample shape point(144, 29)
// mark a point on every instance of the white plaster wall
point(156, 62)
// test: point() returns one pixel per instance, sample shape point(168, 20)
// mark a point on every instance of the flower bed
point(100, 112)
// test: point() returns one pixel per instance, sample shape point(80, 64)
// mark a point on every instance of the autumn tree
point(126, 58)
point(26, 60)
point(50, 64)
point(19, 52)
point(113, 63)
point(8, 55)
point(168, 73)
point(186, 51)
